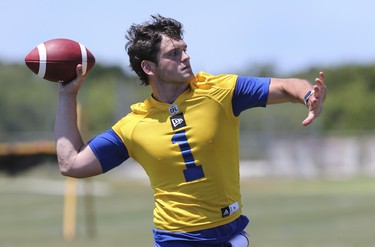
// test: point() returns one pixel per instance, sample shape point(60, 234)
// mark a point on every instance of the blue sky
point(222, 36)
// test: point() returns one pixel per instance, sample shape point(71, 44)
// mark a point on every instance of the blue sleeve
point(109, 149)
point(250, 92)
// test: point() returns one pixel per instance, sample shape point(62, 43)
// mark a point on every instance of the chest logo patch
point(178, 121)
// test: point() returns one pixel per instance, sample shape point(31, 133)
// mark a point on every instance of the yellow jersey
point(189, 150)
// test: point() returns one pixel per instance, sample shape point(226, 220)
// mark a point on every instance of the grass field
point(283, 213)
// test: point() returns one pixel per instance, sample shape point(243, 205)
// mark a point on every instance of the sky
point(222, 36)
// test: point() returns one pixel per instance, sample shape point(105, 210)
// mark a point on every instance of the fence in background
point(340, 157)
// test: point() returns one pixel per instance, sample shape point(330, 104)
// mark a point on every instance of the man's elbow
point(67, 170)
point(70, 174)
point(79, 171)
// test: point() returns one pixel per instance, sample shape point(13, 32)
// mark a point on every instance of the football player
point(185, 135)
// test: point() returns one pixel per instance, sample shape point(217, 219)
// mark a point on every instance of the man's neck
point(168, 93)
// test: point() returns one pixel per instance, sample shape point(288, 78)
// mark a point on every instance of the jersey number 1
point(192, 171)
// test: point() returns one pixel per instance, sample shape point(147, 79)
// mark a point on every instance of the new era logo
point(178, 121)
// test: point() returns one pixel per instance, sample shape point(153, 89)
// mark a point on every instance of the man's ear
point(148, 67)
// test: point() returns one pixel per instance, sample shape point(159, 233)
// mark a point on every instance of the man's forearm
point(288, 90)
point(68, 138)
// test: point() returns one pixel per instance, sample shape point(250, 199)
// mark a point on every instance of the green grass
point(311, 213)
point(283, 213)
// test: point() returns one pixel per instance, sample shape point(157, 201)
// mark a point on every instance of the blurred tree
point(28, 103)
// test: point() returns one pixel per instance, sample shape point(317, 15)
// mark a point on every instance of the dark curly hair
point(144, 41)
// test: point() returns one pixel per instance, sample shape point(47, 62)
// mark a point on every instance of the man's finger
point(308, 120)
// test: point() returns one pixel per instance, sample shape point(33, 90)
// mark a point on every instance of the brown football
point(56, 60)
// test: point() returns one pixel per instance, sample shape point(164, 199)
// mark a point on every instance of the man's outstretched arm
point(296, 90)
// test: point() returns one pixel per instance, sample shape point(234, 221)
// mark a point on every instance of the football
point(56, 60)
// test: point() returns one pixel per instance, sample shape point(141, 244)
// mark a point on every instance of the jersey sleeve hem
point(250, 92)
point(109, 149)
